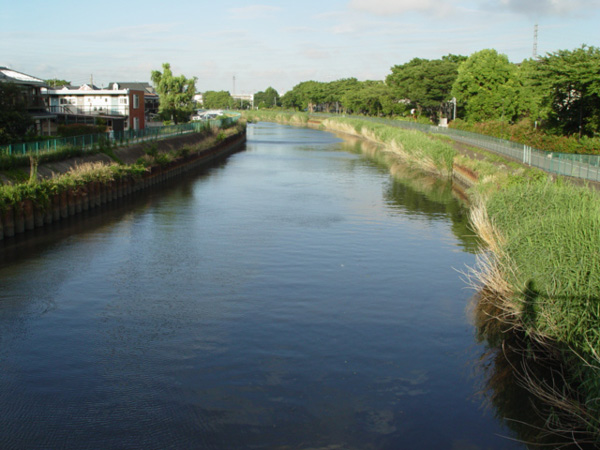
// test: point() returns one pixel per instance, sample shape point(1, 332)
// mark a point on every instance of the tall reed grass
point(542, 275)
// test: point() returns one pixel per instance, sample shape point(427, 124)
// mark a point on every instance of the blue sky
point(275, 43)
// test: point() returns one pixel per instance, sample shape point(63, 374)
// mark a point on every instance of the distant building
point(116, 105)
point(31, 88)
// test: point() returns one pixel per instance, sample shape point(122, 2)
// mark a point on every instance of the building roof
point(133, 85)
point(88, 87)
point(12, 76)
point(74, 91)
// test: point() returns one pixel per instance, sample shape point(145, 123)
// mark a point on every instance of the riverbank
point(540, 271)
point(58, 190)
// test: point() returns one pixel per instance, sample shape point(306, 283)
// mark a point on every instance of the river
point(293, 296)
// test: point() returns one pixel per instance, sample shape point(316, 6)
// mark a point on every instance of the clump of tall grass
point(552, 234)
point(542, 274)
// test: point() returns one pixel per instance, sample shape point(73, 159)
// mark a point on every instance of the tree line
point(559, 92)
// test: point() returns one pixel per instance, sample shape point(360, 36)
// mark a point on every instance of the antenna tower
point(535, 41)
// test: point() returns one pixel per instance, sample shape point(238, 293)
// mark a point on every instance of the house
point(151, 99)
point(115, 105)
point(31, 88)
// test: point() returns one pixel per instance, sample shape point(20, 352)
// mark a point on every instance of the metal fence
point(129, 137)
point(586, 167)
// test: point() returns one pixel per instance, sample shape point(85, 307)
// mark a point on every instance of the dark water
point(294, 296)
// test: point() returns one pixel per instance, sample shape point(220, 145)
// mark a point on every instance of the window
point(136, 101)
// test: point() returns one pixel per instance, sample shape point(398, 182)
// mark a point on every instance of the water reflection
point(295, 298)
point(89, 224)
point(416, 193)
point(523, 381)
point(518, 374)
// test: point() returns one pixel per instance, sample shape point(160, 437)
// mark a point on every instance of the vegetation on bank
point(41, 190)
point(541, 277)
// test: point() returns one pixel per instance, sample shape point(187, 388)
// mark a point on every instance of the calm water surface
point(294, 296)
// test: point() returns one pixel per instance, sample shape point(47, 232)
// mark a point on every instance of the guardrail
point(125, 138)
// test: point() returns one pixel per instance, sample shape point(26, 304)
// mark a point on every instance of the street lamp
point(453, 101)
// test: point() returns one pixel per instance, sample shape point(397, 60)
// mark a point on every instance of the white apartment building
point(90, 100)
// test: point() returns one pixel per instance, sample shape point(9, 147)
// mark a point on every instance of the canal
point(294, 296)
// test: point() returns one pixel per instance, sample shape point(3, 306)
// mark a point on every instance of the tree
point(56, 83)
point(217, 100)
point(305, 96)
point(372, 98)
point(267, 99)
point(486, 87)
point(530, 91)
point(572, 85)
point(176, 94)
point(15, 120)
point(427, 84)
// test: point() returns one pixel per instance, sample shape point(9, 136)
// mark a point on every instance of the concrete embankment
point(43, 208)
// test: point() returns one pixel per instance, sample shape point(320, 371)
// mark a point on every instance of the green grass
point(551, 242)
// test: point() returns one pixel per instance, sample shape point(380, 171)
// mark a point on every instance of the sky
point(246, 46)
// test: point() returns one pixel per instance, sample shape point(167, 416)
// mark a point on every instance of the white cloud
point(531, 8)
point(253, 11)
point(396, 7)
point(540, 8)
